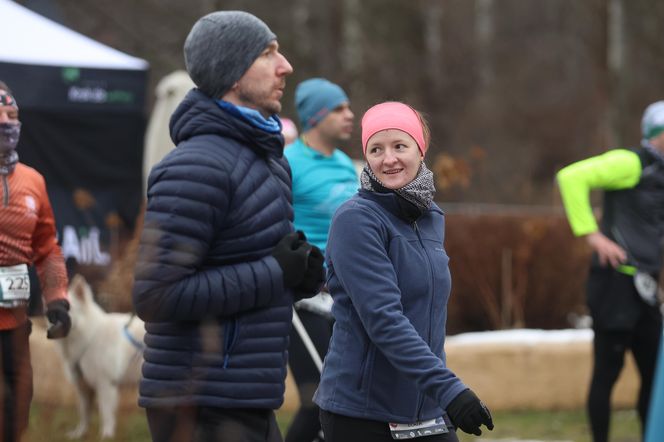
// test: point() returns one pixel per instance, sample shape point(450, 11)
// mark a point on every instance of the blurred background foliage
point(513, 90)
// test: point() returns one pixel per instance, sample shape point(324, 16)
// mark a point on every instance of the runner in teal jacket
point(321, 183)
point(621, 289)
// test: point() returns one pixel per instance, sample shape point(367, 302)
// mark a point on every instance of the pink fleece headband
point(392, 115)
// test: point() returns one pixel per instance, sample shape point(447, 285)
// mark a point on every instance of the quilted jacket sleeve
point(188, 199)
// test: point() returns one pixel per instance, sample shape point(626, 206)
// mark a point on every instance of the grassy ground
point(52, 423)
point(558, 426)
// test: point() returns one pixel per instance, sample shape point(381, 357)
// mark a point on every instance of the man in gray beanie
point(219, 265)
point(222, 46)
point(622, 292)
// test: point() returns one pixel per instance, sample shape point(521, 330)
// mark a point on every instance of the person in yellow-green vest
point(622, 289)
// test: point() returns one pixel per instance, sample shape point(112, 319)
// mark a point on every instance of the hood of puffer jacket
point(199, 114)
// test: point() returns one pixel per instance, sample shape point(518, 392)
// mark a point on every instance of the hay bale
point(548, 370)
point(533, 369)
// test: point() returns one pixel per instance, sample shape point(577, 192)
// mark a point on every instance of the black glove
point(468, 412)
point(57, 313)
point(292, 253)
point(314, 275)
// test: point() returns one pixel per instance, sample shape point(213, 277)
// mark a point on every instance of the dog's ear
point(79, 286)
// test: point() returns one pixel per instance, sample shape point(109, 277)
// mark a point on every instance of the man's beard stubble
point(260, 99)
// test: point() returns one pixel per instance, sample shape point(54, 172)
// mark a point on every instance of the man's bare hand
point(608, 251)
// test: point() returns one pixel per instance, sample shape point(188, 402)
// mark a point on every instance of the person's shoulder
point(295, 145)
point(621, 157)
point(353, 203)
point(28, 172)
point(622, 151)
point(618, 157)
point(436, 210)
point(294, 150)
point(355, 218)
point(359, 206)
point(342, 155)
point(193, 161)
point(205, 149)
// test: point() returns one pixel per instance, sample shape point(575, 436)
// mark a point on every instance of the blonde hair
point(426, 131)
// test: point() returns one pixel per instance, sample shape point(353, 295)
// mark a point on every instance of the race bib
point(646, 286)
point(418, 429)
point(14, 285)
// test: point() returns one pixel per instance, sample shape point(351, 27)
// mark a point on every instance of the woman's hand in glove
point(468, 412)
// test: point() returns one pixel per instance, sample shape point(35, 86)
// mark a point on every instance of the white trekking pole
point(311, 348)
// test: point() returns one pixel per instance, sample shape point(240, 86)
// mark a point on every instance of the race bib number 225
point(14, 283)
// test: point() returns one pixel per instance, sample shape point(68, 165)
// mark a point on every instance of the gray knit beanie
point(221, 47)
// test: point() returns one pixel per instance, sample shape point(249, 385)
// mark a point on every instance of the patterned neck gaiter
point(9, 135)
point(420, 191)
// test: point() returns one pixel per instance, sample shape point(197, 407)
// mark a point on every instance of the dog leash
point(125, 331)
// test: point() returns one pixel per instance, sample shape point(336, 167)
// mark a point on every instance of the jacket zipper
point(364, 366)
point(419, 237)
point(230, 331)
point(272, 165)
point(5, 188)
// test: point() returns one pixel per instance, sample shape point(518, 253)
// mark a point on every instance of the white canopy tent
point(36, 40)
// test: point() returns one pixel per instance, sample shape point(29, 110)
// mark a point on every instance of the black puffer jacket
point(217, 314)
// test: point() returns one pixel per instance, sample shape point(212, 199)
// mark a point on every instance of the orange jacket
point(28, 236)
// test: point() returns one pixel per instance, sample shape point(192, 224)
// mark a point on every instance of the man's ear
point(231, 93)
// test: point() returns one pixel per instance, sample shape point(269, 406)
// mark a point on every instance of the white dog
point(102, 352)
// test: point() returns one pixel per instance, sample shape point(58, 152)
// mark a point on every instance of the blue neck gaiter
point(271, 124)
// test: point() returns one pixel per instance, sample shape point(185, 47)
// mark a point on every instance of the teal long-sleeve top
point(321, 183)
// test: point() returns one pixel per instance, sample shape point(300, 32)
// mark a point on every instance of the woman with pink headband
point(385, 376)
